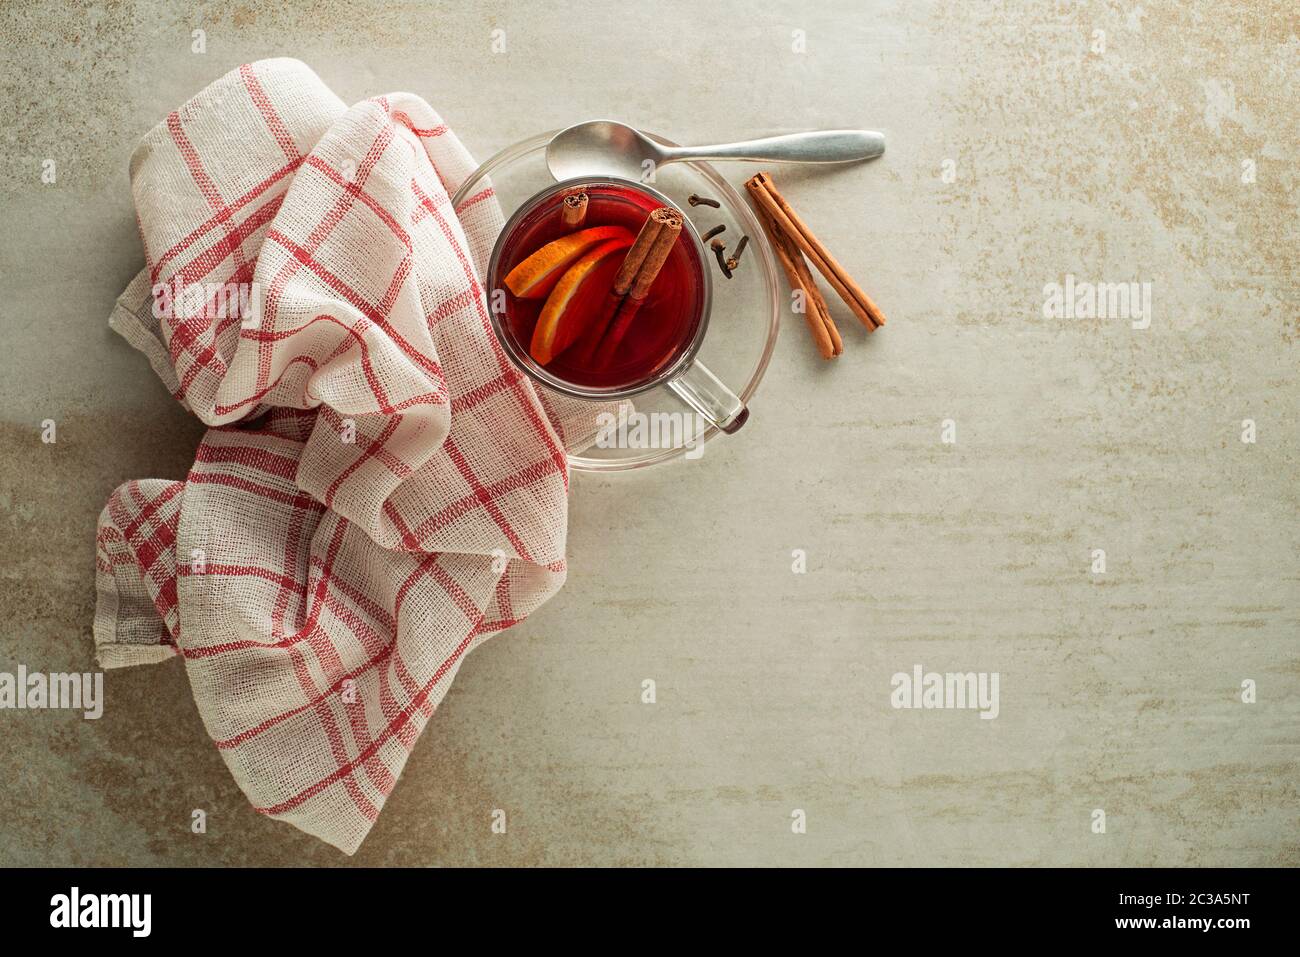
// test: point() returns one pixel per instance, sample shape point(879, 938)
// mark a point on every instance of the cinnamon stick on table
point(815, 313)
point(766, 196)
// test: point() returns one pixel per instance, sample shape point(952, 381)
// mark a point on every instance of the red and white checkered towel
point(380, 490)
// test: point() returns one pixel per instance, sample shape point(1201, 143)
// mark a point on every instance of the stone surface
point(1115, 158)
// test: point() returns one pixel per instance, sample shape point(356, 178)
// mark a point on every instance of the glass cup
point(667, 332)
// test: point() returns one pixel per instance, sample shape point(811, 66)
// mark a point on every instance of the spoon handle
point(820, 146)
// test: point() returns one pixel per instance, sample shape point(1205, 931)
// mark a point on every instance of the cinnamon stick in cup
point(669, 226)
point(574, 210)
point(766, 196)
point(625, 281)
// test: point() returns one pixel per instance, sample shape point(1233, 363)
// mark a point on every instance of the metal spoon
point(608, 148)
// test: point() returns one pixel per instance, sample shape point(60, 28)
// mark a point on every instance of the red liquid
point(662, 329)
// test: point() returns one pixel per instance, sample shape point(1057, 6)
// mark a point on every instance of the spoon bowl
point(602, 148)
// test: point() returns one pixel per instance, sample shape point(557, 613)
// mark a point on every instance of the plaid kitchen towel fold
point(380, 490)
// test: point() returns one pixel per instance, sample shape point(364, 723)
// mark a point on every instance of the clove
point(695, 200)
point(720, 228)
point(734, 260)
point(719, 247)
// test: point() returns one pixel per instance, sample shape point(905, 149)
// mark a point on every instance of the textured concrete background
point(1118, 691)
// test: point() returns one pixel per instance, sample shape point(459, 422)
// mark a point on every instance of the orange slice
point(568, 311)
point(537, 275)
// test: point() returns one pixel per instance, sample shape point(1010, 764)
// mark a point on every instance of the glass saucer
point(746, 311)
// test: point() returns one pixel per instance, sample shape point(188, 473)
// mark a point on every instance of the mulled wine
point(607, 295)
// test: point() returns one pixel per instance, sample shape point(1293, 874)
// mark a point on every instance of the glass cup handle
point(704, 392)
